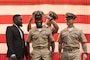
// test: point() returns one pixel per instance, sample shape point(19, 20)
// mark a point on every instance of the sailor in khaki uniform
point(69, 41)
point(40, 37)
point(50, 24)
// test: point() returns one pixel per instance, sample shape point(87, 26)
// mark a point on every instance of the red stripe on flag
point(7, 19)
point(35, 2)
point(3, 37)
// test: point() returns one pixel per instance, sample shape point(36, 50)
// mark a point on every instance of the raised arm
point(51, 21)
point(29, 24)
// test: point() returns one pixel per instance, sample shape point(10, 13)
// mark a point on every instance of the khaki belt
point(70, 49)
point(40, 47)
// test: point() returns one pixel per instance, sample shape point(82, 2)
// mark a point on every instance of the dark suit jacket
point(15, 44)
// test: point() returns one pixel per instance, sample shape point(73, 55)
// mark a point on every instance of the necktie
point(21, 34)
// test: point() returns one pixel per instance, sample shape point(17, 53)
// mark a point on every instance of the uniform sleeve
point(82, 37)
point(29, 38)
point(9, 40)
point(59, 38)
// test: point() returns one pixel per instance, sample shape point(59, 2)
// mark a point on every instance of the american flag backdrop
point(25, 7)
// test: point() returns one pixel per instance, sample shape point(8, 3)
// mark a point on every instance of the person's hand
point(52, 54)
point(85, 57)
point(14, 58)
point(47, 16)
point(28, 57)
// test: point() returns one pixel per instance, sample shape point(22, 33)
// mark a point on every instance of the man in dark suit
point(15, 39)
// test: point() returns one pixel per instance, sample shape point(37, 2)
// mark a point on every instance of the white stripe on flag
point(59, 9)
point(84, 27)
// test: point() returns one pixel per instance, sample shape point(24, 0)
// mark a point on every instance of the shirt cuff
point(13, 55)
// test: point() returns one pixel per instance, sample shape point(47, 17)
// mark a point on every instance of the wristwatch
point(86, 53)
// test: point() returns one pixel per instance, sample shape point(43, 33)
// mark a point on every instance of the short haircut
point(15, 16)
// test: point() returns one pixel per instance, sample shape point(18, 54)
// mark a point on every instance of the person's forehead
point(38, 20)
point(70, 20)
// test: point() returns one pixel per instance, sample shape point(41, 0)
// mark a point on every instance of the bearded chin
point(19, 24)
point(39, 26)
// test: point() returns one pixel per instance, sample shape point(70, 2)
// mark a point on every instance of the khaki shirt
point(49, 27)
point(40, 38)
point(71, 38)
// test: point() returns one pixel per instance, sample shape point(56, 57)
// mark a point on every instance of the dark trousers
point(9, 58)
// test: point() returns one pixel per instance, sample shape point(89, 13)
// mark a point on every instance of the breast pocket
point(64, 34)
point(35, 37)
point(44, 36)
point(75, 35)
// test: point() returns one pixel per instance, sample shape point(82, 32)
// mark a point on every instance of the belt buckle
point(70, 49)
point(40, 47)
